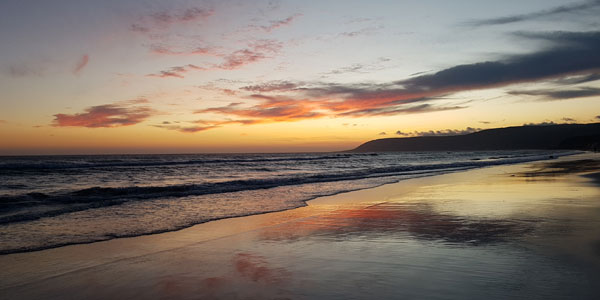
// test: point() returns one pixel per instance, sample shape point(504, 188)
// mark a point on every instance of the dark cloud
point(545, 123)
point(272, 86)
point(560, 94)
point(443, 132)
point(598, 117)
point(399, 109)
point(108, 115)
point(560, 10)
point(382, 133)
point(566, 119)
point(570, 53)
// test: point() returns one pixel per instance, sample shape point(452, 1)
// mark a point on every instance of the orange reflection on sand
point(254, 273)
point(399, 219)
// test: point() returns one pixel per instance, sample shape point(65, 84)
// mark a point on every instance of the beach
point(522, 231)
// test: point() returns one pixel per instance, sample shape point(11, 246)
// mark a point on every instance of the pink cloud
point(256, 51)
point(108, 115)
point(81, 63)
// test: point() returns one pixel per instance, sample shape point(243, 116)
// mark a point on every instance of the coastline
point(465, 217)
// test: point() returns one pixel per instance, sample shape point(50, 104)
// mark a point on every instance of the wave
point(57, 165)
point(17, 208)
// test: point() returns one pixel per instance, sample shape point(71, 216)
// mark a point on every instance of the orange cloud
point(108, 115)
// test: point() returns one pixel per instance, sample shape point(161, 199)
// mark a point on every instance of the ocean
point(51, 201)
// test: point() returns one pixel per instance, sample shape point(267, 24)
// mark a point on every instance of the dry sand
point(529, 231)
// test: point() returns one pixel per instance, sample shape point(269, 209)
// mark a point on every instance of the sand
point(529, 231)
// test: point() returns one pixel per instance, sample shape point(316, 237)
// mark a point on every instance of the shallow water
point(49, 201)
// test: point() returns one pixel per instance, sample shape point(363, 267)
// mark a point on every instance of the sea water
point(50, 201)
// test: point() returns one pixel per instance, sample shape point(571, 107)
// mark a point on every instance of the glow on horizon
point(286, 76)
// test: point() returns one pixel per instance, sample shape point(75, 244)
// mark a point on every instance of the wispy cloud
point(361, 68)
point(275, 24)
point(81, 63)
point(443, 132)
point(273, 86)
point(163, 19)
point(177, 72)
point(25, 69)
point(361, 32)
point(559, 10)
point(162, 49)
point(256, 51)
point(185, 129)
point(560, 94)
point(117, 114)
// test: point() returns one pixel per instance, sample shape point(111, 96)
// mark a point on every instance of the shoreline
point(304, 202)
point(31, 268)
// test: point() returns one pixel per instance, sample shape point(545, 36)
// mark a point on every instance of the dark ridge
point(542, 137)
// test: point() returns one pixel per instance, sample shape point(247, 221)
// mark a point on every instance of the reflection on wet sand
point(247, 276)
point(481, 234)
point(558, 168)
point(399, 219)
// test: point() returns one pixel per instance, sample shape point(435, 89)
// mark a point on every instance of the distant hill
point(562, 136)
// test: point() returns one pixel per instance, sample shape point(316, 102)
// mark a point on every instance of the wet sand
point(528, 231)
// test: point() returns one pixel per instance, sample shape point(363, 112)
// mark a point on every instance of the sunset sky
point(119, 76)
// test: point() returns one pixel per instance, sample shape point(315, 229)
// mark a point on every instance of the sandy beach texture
point(527, 231)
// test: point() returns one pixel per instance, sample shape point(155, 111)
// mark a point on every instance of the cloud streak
point(109, 115)
point(560, 94)
point(81, 63)
point(560, 10)
point(185, 129)
point(275, 24)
